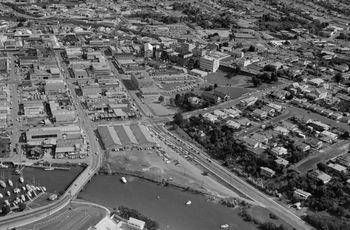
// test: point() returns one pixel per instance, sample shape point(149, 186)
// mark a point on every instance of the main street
point(95, 161)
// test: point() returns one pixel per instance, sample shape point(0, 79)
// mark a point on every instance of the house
point(265, 171)
point(251, 143)
point(259, 113)
point(280, 94)
point(319, 176)
point(277, 108)
point(270, 111)
point(301, 146)
point(279, 151)
point(232, 113)
point(281, 162)
point(220, 114)
point(210, 117)
point(289, 126)
point(248, 101)
point(336, 116)
point(259, 137)
point(281, 130)
point(136, 224)
point(329, 134)
point(321, 93)
point(244, 121)
point(318, 125)
point(316, 82)
point(233, 124)
point(344, 160)
point(314, 143)
point(337, 167)
point(301, 195)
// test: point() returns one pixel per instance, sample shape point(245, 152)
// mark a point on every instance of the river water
point(55, 181)
point(169, 210)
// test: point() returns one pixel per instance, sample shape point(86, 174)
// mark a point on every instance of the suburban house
point(251, 143)
point(220, 114)
point(279, 151)
point(319, 176)
point(244, 121)
point(248, 101)
point(301, 195)
point(259, 113)
point(259, 137)
point(281, 162)
point(301, 146)
point(344, 160)
point(278, 108)
point(314, 143)
point(233, 124)
point(265, 171)
point(281, 130)
point(210, 117)
point(270, 111)
point(337, 167)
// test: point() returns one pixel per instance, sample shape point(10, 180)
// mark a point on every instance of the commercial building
point(210, 64)
point(120, 137)
point(141, 80)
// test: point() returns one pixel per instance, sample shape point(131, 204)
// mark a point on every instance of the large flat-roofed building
point(121, 137)
point(210, 64)
point(50, 135)
point(141, 80)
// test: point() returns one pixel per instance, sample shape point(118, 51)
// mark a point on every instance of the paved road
point(233, 102)
point(323, 156)
point(237, 183)
point(95, 156)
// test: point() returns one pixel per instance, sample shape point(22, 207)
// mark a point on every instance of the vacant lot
point(234, 92)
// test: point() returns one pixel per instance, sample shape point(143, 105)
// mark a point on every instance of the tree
point(215, 85)
point(345, 135)
point(22, 206)
point(161, 99)
point(5, 209)
point(338, 78)
point(251, 49)
point(178, 119)
point(256, 81)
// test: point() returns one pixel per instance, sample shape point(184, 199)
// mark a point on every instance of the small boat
point(224, 226)
point(158, 197)
point(16, 190)
point(9, 181)
point(123, 180)
point(28, 187)
point(21, 179)
point(7, 202)
point(49, 168)
point(2, 184)
point(23, 198)
point(188, 202)
point(8, 193)
point(1, 196)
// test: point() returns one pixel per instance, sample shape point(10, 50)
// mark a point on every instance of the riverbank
point(230, 202)
point(164, 204)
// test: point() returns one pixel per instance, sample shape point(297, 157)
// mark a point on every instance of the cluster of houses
point(321, 98)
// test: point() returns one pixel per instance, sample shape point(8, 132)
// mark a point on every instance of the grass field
point(234, 92)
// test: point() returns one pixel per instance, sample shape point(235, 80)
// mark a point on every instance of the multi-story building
point(209, 63)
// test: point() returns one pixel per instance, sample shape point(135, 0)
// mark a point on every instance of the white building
point(209, 63)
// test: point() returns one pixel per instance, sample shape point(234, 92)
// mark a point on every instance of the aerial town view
point(175, 115)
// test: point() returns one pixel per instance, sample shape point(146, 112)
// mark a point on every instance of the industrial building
point(120, 137)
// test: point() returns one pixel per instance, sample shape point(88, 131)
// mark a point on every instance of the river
point(169, 210)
